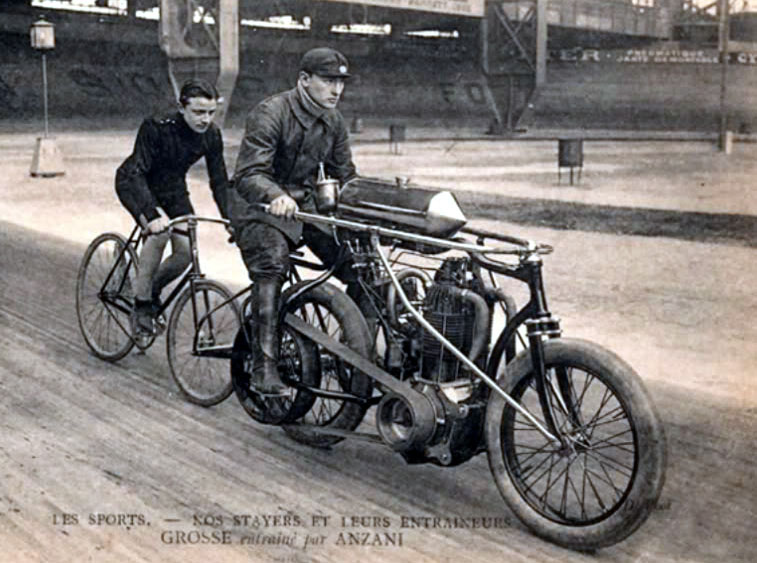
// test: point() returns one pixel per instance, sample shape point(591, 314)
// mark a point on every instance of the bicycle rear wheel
point(103, 309)
point(199, 341)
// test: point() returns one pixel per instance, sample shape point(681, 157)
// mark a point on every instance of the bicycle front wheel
point(199, 339)
point(602, 482)
point(105, 296)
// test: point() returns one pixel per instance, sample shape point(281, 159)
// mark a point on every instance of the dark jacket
point(283, 143)
point(163, 153)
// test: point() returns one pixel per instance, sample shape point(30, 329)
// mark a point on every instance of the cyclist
point(151, 184)
point(286, 137)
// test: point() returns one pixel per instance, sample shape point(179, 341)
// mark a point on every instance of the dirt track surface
point(86, 438)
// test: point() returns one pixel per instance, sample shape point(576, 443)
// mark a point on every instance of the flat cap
point(325, 61)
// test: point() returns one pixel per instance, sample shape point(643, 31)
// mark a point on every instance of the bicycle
point(200, 330)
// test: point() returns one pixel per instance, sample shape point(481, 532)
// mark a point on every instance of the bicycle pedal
point(143, 340)
point(160, 325)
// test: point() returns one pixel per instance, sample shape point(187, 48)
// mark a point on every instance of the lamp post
point(47, 160)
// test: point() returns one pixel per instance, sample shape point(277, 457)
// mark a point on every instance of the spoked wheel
point(602, 482)
point(105, 296)
point(306, 366)
point(199, 341)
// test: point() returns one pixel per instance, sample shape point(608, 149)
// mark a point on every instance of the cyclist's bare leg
point(143, 327)
point(149, 261)
point(173, 266)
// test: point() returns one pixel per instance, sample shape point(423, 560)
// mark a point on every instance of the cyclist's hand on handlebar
point(157, 225)
point(283, 206)
point(230, 231)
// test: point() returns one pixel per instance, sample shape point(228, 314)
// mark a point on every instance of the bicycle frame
point(191, 276)
point(194, 274)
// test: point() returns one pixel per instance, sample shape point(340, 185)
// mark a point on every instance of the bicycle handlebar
point(172, 223)
point(199, 218)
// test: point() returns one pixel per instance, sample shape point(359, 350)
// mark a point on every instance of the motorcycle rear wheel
point(336, 314)
point(302, 361)
point(603, 484)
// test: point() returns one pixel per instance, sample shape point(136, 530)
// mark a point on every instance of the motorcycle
point(573, 440)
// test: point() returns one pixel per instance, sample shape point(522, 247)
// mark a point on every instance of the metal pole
point(228, 54)
point(541, 42)
point(44, 89)
point(723, 29)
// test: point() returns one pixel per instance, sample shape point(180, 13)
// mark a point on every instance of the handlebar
point(527, 247)
point(198, 218)
point(190, 219)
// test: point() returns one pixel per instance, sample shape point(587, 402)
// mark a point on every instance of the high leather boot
point(266, 318)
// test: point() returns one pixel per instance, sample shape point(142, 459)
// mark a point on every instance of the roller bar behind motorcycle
point(573, 440)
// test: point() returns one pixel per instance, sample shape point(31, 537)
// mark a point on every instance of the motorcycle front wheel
point(602, 482)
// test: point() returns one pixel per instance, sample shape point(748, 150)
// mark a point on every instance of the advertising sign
point(457, 7)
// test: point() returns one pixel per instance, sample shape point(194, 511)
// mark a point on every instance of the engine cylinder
point(451, 317)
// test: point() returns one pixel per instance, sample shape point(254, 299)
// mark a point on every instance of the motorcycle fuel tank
point(421, 210)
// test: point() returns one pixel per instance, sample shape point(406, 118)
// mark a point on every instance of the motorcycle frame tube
point(454, 350)
point(410, 237)
point(535, 314)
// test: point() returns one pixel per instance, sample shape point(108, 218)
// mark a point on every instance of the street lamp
point(47, 159)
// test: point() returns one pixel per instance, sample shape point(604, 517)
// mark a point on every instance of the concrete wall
point(124, 81)
point(616, 93)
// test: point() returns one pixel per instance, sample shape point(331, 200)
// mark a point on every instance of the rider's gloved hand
point(283, 206)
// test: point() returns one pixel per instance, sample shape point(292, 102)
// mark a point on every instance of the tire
point(104, 316)
point(303, 361)
point(340, 318)
point(203, 380)
point(501, 348)
point(602, 493)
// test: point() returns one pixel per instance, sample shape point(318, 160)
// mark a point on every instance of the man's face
point(325, 90)
point(198, 113)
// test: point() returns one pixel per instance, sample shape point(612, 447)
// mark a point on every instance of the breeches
point(174, 202)
point(265, 251)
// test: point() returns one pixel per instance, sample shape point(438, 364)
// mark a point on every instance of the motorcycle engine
point(453, 305)
point(452, 312)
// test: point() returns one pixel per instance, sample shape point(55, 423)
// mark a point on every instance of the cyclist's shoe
point(142, 322)
point(158, 317)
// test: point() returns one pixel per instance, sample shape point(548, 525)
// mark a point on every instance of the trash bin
point(396, 136)
point(357, 125)
point(570, 154)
